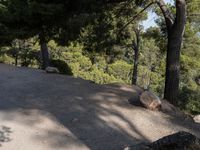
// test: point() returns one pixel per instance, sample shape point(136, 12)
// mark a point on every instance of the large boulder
point(150, 101)
point(52, 70)
point(177, 141)
point(197, 118)
point(140, 146)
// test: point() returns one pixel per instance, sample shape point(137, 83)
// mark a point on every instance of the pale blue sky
point(152, 16)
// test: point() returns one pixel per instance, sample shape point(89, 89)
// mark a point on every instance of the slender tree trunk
point(135, 66)
point(136, 46)
point(172, 69)
point(44, 51)
point(175, 35)
point(16, 60)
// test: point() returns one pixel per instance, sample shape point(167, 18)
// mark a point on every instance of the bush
point(62, 66)
point(121, 70)
point(189, 100)
point(98, 76)
point(6, 59)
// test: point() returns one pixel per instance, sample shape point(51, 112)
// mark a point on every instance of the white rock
point(75, 120)
point(197, 118)
point(52, 70)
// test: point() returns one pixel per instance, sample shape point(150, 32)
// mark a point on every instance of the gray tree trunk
point(135, 67)
point(136, 46)
point(16, 60)
point(175, 28)
point(44, 51)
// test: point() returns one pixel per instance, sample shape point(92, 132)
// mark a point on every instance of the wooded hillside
point(106, 41)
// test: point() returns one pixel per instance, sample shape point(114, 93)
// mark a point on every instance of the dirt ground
point(40, 111)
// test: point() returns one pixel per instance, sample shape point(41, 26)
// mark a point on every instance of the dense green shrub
point(189, 100)
point(6, 59)
point(98, 76)
point(121, 70)
point(62, 66)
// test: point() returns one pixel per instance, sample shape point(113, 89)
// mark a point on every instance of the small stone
point(52, 70)
point(140, 146)
point(197, 118)
point(75, 120)
point(127, 148)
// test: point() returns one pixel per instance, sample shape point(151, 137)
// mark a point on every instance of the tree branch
point(137, 34)
point(180, 12)
point(134, 17)
point(121, 10)
point(166, 13)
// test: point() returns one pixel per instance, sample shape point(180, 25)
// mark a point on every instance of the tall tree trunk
point(44, 51)
point(172, 69)
point(175, 35)
point(16, 60)
point(136, 45)
point(135, 66)
point(175, 29)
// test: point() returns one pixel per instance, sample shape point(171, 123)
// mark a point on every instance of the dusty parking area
point(55, 112)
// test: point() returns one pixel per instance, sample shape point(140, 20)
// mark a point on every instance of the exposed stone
point(75, 120)
point(150, 101)
point(197, 118)
point(177, 141)
point(52, 70)
point(140, 146)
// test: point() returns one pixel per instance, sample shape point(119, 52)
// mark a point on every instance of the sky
point(152, 17)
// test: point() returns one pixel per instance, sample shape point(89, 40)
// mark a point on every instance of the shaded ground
point(55, 112)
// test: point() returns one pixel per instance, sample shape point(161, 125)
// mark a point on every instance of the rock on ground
point(197, 118)
point(150, 100)
point(177, 141)
point(52, 70)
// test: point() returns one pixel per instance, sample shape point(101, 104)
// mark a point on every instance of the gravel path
point(40, 111)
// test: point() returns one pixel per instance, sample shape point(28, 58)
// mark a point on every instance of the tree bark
point(16, 60)
point(44, 51)
point(135, 67)
point(175, 36)
point(136, 45)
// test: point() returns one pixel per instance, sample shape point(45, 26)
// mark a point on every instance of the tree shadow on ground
point(98, 117)
point(4, 134)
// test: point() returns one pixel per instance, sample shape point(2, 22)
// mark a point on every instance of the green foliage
point(98, 76)
point(105, 34)
point(190, 69)
point(189, 100)
point(6, 59)
point(21, 52)
point(121, 70)
point(151, 66)
point(193, 8)
point(80, 64)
